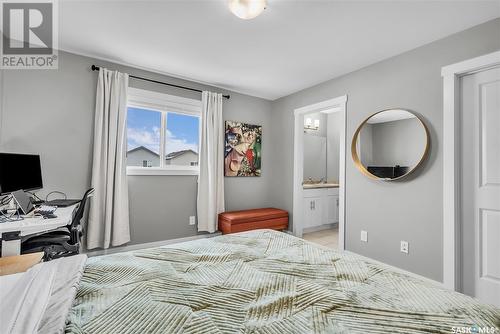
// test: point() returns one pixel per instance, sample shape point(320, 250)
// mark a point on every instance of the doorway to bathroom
point(319, 172)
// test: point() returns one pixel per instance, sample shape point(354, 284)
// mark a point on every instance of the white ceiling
point(291, 46)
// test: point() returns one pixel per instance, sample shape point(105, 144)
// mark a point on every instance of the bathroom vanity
point(320, 205)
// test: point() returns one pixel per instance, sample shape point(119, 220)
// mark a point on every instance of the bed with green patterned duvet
point(263, 282)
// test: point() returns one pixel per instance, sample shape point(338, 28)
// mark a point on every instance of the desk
point(35, 225)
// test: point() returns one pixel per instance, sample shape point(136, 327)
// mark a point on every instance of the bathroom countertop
point(320, 185)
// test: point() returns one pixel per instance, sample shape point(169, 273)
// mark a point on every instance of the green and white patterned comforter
point(262, 282)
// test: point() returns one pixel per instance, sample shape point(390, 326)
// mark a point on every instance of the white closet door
point(480, 145)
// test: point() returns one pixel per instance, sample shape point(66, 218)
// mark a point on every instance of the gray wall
point(51, 113)
point(399, 142)
point(390, 211)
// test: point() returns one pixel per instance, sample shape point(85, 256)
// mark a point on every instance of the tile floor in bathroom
point(328, 238)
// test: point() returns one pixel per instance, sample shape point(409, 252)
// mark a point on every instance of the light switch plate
point(192, 220)
point(404, 246)
point(364, 236)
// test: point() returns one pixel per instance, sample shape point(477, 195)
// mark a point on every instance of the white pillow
point(25, 299)
point(7, 282)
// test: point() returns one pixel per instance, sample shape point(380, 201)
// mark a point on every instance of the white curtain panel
point(108, 223)
point(211, 179)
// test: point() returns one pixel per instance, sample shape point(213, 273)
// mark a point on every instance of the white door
point(480, 145)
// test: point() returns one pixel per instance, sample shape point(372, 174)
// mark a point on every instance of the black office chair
point(64, 241)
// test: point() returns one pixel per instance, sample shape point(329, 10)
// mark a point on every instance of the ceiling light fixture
point(247, 9)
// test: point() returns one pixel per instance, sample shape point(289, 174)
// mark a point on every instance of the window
point(143, 137)
point(162, 134)
point(181, 139)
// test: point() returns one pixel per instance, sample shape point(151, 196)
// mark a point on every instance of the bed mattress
point(262, 281)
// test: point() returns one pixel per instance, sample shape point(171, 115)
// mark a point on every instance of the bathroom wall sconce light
point(309, 124)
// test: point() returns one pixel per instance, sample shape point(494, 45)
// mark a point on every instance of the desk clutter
point(43, 231)
point(46, 211)
point(29, 224)
point(23, 208)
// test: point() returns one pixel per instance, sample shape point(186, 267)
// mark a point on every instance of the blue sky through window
point(143, 129)
point(144, 126)
point(182, 133)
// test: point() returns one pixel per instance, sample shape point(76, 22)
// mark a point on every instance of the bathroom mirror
point(315, 155)
point(390, 144)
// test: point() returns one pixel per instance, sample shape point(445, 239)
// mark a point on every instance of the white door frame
point(298, 164)
point(451, 162)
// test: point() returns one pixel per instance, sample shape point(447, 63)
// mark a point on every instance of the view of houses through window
point(180, 138)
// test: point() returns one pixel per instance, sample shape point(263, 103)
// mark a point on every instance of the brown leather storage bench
point(246, 220)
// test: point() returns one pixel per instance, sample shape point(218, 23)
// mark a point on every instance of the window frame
point(164, 104)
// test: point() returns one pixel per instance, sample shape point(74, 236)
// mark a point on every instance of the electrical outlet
point(364, 236)
point(192, 220)
point(404, 246)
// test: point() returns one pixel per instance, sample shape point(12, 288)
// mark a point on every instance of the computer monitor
point(19, 171)
point(388, 172)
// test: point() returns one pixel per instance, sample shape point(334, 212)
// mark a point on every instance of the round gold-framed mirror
point(390, 144)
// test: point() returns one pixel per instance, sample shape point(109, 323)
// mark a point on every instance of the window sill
point(132, 171)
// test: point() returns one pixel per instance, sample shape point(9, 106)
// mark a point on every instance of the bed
point(260, 281)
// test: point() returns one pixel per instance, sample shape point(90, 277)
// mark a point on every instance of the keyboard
point(45, 210)
point(62, 203)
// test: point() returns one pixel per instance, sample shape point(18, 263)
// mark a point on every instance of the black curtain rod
point(96, 68)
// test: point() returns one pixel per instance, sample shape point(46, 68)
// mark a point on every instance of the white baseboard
point(148, 245)
point(320, 228)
